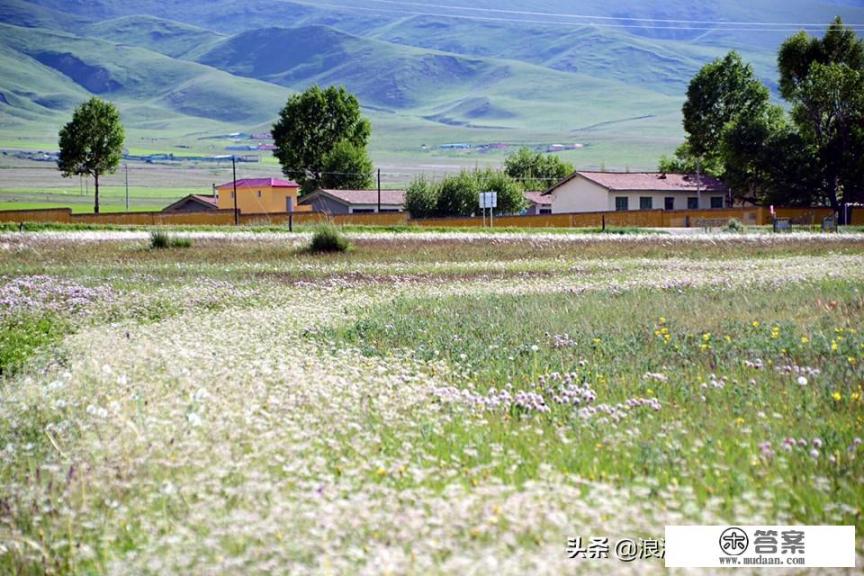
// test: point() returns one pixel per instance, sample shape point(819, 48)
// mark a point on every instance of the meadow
point(426, 403)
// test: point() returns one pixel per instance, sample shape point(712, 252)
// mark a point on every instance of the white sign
point(488, 200)
point(760, 546)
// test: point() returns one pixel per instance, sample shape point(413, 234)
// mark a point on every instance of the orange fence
point(633, 218)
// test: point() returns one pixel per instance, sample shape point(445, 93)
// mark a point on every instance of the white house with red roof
point(607, 191)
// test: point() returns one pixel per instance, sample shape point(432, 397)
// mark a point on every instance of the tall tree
point(321, 134)
point(720, 94)
point(92, 142)
point(536, 171)
point(823, 79)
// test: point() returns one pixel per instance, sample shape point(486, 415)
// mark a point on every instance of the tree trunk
point(96, 185)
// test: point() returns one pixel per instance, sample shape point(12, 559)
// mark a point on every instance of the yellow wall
point(257, 200)
point(637, 218)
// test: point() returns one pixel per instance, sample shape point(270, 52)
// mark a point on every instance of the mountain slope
point(167, 37)
point(132, 76)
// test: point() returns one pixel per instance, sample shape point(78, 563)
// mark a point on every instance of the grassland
point(427, 403)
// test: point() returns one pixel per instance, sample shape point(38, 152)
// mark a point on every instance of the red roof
point(538, 198)
point(208, 199)
point(261, 183)
point(649, 181)
point(389, 197)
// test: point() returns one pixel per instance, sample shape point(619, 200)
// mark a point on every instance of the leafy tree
point(459, 195)
point(536, 171)
point(721, 93)
point(92, 143)
point(823, 79)
point(421, 198)
point(511, 200)
point(321, 131)
point(767, 162)
point(347, 167)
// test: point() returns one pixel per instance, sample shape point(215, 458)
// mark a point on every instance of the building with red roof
point(586, 191)
point(354, 201)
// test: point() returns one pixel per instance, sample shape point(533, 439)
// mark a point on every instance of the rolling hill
point(610, 73)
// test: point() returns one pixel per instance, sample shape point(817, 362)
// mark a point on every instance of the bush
point(735, 225)
point(160, 240)
point(328, 238)
point(421, 198)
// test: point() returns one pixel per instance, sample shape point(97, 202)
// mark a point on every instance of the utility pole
point(234, 171)
point(698, 184)
point(126, 166)
point(379, 190)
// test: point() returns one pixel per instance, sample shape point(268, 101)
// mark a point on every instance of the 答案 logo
point(734, 541)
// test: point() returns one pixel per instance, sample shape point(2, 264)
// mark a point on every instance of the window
point(621, 203)
point(669, 203)
point(692, 203)
point(362, 210)
point(545, 211)
point(646, 203)
point(716, 202)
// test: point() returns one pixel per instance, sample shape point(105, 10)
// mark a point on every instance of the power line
point(719, 27)
point(593, 17)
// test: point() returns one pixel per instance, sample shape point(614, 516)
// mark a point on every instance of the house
point(260, 196)
point(538, 203)
point(354, 201)
point(193, 203)
point(607, 191)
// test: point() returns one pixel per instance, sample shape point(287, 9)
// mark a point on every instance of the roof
point(206, 202)
point(538, 198)
point(359, 197)
point(648, 181)
point(261, 183)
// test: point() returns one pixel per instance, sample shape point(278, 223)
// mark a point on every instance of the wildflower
point(814, 453)
point(817, 443)
point(805, 340)
point(837, 396)
point(802, 380)
point(755, 324)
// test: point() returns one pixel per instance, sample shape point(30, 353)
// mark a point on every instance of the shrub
point(328, 238)
point(421, 198)
point(735, 225)
point(160, 240)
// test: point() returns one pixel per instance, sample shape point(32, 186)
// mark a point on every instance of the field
point(426, 403)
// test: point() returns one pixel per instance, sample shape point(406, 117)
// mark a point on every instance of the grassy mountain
point(167, 37)
point(449, 71)
point(69, 68)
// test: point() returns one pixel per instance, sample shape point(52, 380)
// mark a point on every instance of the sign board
point(488, 200)
point(782, 224)
point(829, 224)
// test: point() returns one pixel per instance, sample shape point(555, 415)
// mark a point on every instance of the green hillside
point(135, 77)
point(157, 34)
point(492, 71)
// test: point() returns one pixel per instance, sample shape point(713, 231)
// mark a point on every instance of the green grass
point(710, 436)
point(22, 335)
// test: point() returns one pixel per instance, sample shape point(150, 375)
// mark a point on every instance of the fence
point(632, 218)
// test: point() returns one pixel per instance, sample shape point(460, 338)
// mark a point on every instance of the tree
point(720, 94)
point(421, 198)
point(92, 143)
point(347, 167)
point(320, 133)
point(823, 79)
point(459, 195)
point(511, 200)
point(535, 171)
